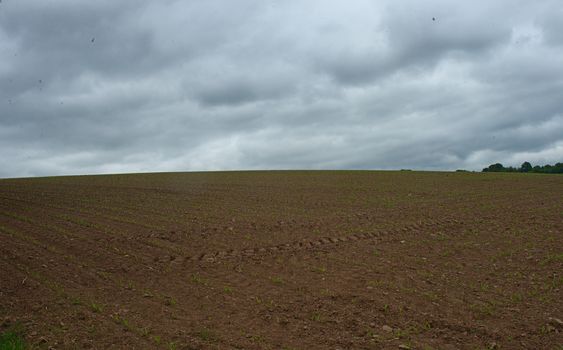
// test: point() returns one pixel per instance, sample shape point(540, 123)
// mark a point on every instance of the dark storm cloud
point(94, 87)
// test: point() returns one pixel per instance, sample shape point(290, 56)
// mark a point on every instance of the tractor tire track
point(311, 244)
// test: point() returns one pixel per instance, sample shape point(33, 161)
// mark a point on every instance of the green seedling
point(169, 301)
point(96, 307)
point(198, 279)
point(277, 280)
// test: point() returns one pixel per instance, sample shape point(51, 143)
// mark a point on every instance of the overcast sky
point(111, 86)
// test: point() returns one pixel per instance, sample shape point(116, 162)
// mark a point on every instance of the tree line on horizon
point(526, 167)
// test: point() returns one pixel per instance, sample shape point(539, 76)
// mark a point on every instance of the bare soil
point(284, 260)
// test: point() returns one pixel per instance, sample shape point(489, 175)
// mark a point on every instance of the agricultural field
point(283, 260)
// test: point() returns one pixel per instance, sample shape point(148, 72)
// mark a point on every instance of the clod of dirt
point(404, 347)
point(556, 322)
point(387, 329)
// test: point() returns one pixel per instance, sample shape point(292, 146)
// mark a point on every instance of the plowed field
point(284, 260)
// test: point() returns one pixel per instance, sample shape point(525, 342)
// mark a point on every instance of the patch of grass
point(277, 280)
point(95, 307)
point(156, 339)
point(169, 301)
point(228, 289)
point(320, 269)
point(269, 303)
point(556, 282)
point(484, 287)
point(104, 275)
point(145, 331)
point(483, 310)
point(377, 284)
point(400, 333)
point(553, 258)
point(197, 279)
point(206, 335)
point(122, 321)
point(370, 334)
point(431, 295)
point(446, 253)
point(316, 317)
point(125, 323)
point(12, 339)
point(516, 297)
point(255, 338)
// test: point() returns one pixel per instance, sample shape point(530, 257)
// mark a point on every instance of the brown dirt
point(284, 260)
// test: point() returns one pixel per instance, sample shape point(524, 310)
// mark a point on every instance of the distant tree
point(526, 167)
point(494, 168)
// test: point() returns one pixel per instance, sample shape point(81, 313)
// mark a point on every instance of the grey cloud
point(54, 38)
point(417, 37)
point(178, 85)
point(244, 87)
point(551, 24)
point(233, 94)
